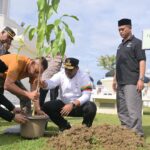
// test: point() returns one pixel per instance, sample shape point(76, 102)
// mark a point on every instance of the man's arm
point(10, 115)
point(114, 83)
point(140, 83)
point(142, 66)
point(13, 88)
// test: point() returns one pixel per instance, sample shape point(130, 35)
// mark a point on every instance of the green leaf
point(63, 47)
point(31, 33)
point(57, 22)
point(41, 4)
point(55, 4)
point(40, 38)
point(26, 30)
point(48, 50)
point(49, 12)
point(69, 32)
point(74, 17)
point(55, 47)
point(48, 31)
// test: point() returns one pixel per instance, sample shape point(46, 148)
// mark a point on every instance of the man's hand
point(16, 110)
point(34, 95)
point(40, 112)
point(114, 86)
point(66, 109)
point(19, 118)
point(140, 85)
point(43, 84)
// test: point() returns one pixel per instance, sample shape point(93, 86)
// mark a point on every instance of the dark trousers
point(25, 103)
point(53, 95)
point(87, 111)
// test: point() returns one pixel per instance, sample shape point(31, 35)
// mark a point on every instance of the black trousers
point(87, 111)
point(6, 113)
point(53, 95)
point(25, 103)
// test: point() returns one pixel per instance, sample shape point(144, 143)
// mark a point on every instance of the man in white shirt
point(75, 92)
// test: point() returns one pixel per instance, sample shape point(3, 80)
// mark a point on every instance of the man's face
point(33, 69)
point(71, 72)
point(7, 45)
point(6, 38)
point(125, 31)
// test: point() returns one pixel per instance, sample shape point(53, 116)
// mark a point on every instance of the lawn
point(15, 142)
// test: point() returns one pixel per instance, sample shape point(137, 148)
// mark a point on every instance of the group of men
point(74, 85)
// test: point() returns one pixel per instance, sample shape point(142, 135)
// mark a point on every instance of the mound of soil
point(107, 136)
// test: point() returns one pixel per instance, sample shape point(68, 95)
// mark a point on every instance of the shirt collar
point(130, 39)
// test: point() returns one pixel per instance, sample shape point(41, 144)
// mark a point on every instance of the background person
point(129, 78)
point(6, 37)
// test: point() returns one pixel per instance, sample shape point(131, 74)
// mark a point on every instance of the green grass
point(15, 142)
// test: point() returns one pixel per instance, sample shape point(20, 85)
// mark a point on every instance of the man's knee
point(46, 106)
point(90, 107)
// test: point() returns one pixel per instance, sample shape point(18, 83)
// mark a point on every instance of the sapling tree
point(47, 31)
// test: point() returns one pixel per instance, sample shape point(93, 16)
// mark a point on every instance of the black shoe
point(87, 124)
point(62, 128)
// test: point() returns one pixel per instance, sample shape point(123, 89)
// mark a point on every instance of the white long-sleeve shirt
point(77, 88)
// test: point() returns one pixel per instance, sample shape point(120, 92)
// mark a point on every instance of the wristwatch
point(141, 78)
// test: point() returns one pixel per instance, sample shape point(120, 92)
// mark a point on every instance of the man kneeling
point(75, 92)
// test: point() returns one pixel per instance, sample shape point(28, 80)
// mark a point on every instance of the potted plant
point(44, 32)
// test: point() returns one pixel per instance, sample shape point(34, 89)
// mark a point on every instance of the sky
point(96, 32)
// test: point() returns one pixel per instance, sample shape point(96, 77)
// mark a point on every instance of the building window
point(1, 6)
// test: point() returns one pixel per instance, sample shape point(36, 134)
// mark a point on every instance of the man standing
point(129, 78)
point(75, 92)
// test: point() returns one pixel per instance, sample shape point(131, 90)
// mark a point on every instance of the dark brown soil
point(106, 137)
